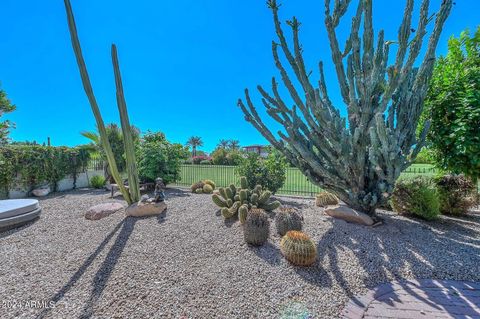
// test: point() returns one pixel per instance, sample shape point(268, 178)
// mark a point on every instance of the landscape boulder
point(141, 209)
point(40, 192)
point(102, 210)
point(348, 214)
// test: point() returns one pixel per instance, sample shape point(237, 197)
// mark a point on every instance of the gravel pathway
point(189, 263)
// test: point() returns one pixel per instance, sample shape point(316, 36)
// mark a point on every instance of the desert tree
point(6, 106)
point(359, 157)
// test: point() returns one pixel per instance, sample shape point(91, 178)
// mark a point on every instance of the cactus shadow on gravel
point(268, 252)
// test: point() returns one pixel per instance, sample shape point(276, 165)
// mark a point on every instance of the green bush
point(416, 196)
point(206, 162)
point(37, 165)
point(97, 181)
point(269, 172)
point(457, 194)
point(156, 157)
point(224, 156)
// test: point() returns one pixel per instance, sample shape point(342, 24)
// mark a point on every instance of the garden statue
point(159, 187)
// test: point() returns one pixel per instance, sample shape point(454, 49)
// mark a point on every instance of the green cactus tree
point(360, 160)
point(132, 194)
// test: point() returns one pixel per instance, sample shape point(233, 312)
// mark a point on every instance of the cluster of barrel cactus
point(298, 248)
point(203, 187)
point(286, 219)
point(235, 201)
point(325, 198)
point(256, 227)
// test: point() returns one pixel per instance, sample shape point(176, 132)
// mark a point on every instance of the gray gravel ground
point(189, 263)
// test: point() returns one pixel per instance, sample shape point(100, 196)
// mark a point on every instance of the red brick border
point(417, 299)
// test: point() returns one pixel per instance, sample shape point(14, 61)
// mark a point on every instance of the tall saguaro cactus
point(132, 194)
point(361, 161)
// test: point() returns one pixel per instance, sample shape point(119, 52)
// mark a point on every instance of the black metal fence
point(295, 183)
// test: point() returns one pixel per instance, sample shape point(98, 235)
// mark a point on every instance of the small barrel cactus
point(286, 219)
point(210, 182)
point(196, 186)
point(325, 198)
point(256, 227)
point(199, 191)
point(207, 189)
point(298, 248)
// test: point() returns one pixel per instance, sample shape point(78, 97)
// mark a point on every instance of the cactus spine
point(132, 194)
point(298, 248)
point(256, 227)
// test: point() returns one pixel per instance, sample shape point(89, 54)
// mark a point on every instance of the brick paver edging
point(417, 299)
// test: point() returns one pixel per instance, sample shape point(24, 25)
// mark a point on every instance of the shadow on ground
point(426, 250)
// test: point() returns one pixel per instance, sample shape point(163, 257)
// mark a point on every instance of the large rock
point(141, 209)
point(348, 214)
point(102, 210)
point(40, 192)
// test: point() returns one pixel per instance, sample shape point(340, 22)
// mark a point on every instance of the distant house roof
point(255, 146)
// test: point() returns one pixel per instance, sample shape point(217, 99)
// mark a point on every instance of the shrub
point(157, 157)
point(37, 165)
point(457, 194)
point(417, 196)
point(223, 156)
point(298, 248)
point(206, 162)
point(269, 172)
point(201, 158)
point(97, 181)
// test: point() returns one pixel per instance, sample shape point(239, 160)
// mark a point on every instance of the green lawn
point(296, 183)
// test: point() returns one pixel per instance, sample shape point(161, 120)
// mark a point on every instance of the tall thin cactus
point(359, 161)
point(132, 194)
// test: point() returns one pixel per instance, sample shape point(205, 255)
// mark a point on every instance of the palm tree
point(194, 142)
point(115, 137)
point(234, 144)
point(223, 144)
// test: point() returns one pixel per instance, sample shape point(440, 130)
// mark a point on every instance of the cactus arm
point(93, 102)
point(271, 206)
point(219, 201)
point(133, 180)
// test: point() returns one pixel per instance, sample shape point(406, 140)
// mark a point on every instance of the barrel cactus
point(199, 191)
point(207, 189)
point(256, 227)
point(196, 186)
point(210, 182)
point(286, 219)
point(325, 198)
point(298, 248)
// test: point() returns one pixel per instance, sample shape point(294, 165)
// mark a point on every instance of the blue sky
point(184, 63)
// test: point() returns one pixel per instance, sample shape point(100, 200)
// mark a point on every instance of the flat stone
point(102, 210)
point(141, 209)
point(40, 192)
point(348, 214)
